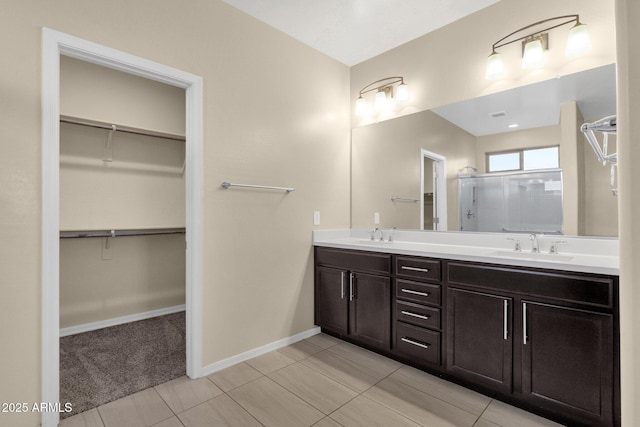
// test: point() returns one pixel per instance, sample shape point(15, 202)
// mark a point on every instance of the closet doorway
point(56, 44)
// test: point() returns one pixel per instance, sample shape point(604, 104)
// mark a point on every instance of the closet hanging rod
point(97, 125)
point(226, 185)
point(404, 199)
point(120, 233)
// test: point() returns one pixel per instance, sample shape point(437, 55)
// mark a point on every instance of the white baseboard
point(72, 330)
point(218, 366)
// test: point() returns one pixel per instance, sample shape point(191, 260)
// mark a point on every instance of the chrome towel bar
point(226, 185)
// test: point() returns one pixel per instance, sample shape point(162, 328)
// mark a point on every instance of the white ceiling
point(353, 31)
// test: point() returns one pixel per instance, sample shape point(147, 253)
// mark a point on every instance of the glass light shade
point(402, 93)
point(533, 54)
point(579, 41)
point(495, 66)
point(381, 103)
point(361, 107)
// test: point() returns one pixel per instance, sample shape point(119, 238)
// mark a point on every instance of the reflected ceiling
point(537, 104)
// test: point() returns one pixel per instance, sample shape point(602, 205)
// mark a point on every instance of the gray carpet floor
point(100, 366)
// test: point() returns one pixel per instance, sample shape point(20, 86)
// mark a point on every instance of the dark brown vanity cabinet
point(480, 338)
point(567, 361)
point(542, 339)
point(352, 295)
point(417, 326)
point(546, 338)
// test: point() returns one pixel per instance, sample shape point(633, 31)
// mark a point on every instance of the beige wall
point(628, 111)
point(99, 93)
point(386, 161)
point(601, 213)
point(143, 187)
point(141, 274)
point(275, 112)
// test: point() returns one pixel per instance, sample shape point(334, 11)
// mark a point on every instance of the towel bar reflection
point(404, 199)
point(226, 185)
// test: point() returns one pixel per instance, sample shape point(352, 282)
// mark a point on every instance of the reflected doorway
point(433, 192)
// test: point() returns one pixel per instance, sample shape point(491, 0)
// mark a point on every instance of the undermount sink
point(372, 242)
point(533, 256)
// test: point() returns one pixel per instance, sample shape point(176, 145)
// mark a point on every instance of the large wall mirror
point(513, 161)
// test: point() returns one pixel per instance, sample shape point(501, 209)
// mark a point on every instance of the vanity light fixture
point(384, 99)
point(535, 43)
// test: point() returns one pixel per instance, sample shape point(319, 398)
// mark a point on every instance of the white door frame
point(440, 187)
point(54, 44)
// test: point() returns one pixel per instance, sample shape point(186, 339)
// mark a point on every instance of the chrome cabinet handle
point(524, 323)
point(342, 285)
point(506, 310)
point(351, 292)
point(422, 270)
point(409, 291)
point(416, 343)
point(419, 316)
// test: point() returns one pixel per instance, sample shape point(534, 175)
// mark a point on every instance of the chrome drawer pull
point(409, 291)
point(422, 270)
point(416, 343)
point(351, 285)
point(419, 316)
point(505, 319)
point(524, 323)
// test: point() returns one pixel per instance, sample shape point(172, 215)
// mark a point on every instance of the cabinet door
point(567, 363)
point(370, 309)
point(479, 338)
point(331, 302)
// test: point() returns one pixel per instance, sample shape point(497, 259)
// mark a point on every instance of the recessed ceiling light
point(513, 125)
point(498, 114)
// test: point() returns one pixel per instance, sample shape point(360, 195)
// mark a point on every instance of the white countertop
point(580, 254)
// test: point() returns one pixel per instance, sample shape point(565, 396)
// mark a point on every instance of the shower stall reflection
point(511, 202)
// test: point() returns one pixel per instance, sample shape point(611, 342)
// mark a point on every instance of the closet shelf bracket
point(107, 152)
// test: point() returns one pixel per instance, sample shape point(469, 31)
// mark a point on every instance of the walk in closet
point(122, 233)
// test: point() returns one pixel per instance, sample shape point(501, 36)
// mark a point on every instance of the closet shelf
point(124, 129)
point(69, 234)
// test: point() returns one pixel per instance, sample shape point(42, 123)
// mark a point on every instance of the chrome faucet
point(517, 247)
point(534, 243)
point(554, 246)
point(381, 234)
point(391, 233)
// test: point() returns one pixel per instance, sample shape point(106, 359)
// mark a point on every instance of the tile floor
point(321, 382)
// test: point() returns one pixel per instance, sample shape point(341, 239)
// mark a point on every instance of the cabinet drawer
point(422, 345)
point(418, 315)
point(354, 260)
point(580, 288)
point(418, 268)
point(422, 293)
